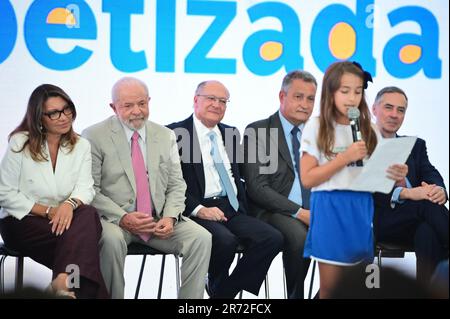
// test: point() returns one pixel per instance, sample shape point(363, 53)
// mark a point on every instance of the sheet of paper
point(388, 152)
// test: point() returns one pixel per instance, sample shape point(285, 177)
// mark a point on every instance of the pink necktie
point(144, 201)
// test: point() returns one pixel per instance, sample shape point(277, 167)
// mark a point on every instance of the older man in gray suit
point(271, 172)
point(140, 192)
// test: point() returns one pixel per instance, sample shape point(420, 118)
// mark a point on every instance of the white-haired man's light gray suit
point(116, 195)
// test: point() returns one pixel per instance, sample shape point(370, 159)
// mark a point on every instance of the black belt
point(217, 198)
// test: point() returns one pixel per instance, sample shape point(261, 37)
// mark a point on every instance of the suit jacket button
point(131, 201)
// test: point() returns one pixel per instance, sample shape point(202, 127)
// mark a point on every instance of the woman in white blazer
point(45, 188)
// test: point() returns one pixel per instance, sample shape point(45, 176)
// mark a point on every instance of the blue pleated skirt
point(340, 231)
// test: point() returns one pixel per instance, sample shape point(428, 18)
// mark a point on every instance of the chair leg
point(266, 286)
point(284, 283)
point(2, 275)
point(177, 274)
point(379, 259)
point(312, 279)
point(19, 273)
point(141, 272)
point(161, 276)
point(238, 258)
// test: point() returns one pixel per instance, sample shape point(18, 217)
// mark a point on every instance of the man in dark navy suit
point(215, 196)
point(413, 213)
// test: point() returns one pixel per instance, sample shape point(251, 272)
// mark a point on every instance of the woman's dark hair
point(32, 122)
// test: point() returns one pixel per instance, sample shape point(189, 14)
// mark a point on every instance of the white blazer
point(24, 182)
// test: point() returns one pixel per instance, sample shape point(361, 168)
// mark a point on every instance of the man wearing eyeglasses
point(215, 196)
point(276, 194)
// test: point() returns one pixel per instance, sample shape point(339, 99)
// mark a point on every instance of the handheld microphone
point(353, 116)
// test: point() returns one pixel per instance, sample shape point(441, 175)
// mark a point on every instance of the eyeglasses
point(213, 99)
point(56, 114)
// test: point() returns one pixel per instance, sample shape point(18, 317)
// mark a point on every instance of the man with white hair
point(140, 191)
point(216, 198)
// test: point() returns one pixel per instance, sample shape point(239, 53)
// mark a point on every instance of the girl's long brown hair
point(32, 122)
point(329, 112)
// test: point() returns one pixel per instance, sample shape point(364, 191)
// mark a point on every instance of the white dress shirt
point(213, 186)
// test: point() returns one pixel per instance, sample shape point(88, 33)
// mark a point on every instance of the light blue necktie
point(220, 167)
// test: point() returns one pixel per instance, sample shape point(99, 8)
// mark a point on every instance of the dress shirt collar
point(202, 130)
point(288, 126)
point(129, 133)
